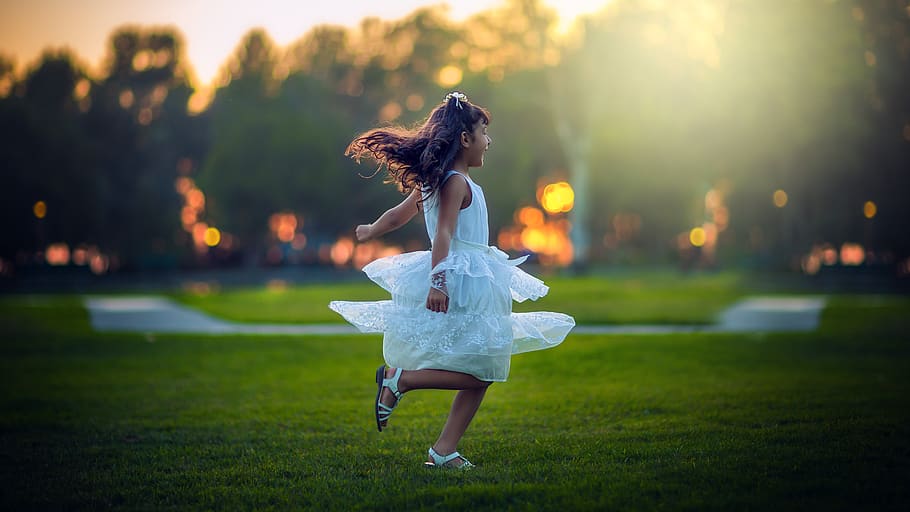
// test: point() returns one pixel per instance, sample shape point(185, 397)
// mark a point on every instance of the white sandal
point(440, 461)
point(383, 411)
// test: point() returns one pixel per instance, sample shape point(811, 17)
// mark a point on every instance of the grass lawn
point(648, 297)
point(697, 421)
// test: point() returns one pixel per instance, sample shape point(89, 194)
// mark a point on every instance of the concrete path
point(149, 314)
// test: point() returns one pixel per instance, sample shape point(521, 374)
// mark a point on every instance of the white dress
point(479, 333)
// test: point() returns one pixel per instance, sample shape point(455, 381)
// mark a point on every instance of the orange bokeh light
point(183, 185)
point(40, 209)
point(283, 226)
point(98, 263)
point(869, 209)
point(557, 197)
point(199, 230)
point(852, 254)
point(188, 216)
point(530, 216)
point(80, 256)
point(534, 231)
point(534, 239)
point(196, 199)
point(342, 251)
point(57, 254)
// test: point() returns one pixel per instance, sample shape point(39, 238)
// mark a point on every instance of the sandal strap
point(384, 411)
point(392, 383)
point(441, 460)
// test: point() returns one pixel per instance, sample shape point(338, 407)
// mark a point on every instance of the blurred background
point(699, 134)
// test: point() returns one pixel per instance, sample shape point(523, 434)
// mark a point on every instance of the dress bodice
point(473, 222)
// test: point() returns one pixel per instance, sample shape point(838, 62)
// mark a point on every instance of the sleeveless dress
point(479, 333)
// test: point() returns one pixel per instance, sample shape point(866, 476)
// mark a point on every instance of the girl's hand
point(364, 232)
point(437, 301)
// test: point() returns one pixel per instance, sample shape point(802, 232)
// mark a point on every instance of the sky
point(211, 28)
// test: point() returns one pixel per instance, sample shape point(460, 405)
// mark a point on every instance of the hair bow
point(458, 97)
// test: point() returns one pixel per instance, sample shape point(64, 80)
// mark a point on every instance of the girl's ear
point(465, 140)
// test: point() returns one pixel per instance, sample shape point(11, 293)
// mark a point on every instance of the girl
point(449, 324)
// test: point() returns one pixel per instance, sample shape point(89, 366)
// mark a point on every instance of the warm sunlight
point(211, 29)
point(569, 10)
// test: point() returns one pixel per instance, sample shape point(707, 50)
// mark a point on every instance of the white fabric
point(479, 333)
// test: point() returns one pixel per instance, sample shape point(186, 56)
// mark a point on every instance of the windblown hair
point(420, 157)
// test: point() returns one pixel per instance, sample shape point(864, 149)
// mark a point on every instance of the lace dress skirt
point(478, 334)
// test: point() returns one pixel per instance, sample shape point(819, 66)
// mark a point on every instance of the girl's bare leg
point(466, 403)
point(429, 379)
point(467, 400)
point(435, 379)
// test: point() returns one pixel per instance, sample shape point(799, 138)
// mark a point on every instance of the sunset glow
point(211, 29)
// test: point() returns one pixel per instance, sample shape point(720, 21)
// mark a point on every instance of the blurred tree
point(675, 98)
point(885, 151)
point(17, 195)
point(277, 146)
point(141, 132)
point(46, 157)
point(242, 186)
point(645, 107)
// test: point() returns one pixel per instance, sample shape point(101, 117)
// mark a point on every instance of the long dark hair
point(419, 157)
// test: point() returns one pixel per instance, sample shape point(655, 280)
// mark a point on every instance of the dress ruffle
point(479, 332)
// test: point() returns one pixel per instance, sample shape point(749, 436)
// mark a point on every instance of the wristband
point(438, 281)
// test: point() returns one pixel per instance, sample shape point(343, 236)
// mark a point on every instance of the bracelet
point(438, 281)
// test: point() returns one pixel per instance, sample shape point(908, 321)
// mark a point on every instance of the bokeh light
point(557, 197)
point(212, 237)
point(126, 99)
point(390, 112)
point(57, 254)
point(449, 76)
point(40, 209)
point(780, 198)
point(530, 216)
point(869, 209)
point(697, 237)
point(342, 251)
point(852, 254)
point(284, 225)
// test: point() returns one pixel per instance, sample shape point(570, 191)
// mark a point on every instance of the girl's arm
point(453, 194)
point(391, 220)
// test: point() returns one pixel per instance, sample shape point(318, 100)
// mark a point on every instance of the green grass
point(622, 298)
point(694, 421)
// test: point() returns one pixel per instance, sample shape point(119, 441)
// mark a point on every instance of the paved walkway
point(150, 314)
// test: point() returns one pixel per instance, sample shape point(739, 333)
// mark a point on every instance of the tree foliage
point(644, 108)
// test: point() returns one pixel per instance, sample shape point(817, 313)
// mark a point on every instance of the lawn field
point(817, 421)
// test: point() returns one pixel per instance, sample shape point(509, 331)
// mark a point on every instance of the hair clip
point(458, 96)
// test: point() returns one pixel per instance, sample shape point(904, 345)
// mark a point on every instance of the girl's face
point(478, 143)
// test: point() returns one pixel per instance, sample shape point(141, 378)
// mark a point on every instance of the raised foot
point(387, 394)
